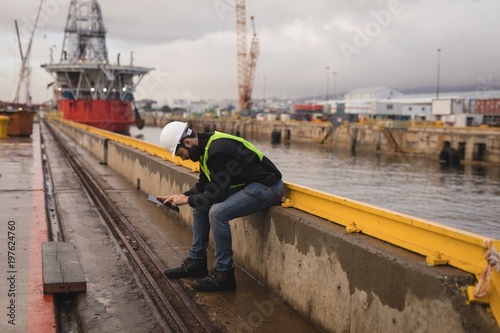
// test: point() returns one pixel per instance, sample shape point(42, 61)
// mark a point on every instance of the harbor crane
point(246, 62)
point(25, 71)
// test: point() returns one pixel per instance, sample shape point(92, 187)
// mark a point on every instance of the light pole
point(264, 93)
point(438, 69)
point(327, 81)
point(334, 84)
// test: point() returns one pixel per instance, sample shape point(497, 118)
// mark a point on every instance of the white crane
point(25, 71)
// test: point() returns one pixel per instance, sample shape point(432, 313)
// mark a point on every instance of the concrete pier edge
point(341, 282)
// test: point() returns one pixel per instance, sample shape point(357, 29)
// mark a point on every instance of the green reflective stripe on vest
point(219, 135)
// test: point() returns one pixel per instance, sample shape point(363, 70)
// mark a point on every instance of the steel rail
point(131, 251)
point(105, 216)
point(172, 284)
point(439, 244)
point(112, 216)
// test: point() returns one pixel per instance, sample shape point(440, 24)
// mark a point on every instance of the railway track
point(170, 303)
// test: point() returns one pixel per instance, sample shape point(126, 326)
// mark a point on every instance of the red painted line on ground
point(41, 313)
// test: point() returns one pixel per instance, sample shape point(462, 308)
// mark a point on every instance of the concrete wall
point(341, 282)
point(427, 142)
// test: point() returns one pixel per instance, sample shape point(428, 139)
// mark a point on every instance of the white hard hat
point(172, 134)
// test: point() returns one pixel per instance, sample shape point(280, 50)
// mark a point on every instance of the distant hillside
point(418, 90)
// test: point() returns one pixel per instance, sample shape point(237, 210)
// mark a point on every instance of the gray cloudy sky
point(191, 44)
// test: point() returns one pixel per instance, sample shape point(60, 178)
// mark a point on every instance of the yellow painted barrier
point(150, 148)
point(4, 123)
point(438, 243)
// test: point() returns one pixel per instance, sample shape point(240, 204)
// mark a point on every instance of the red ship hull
point(89, 89)
point(110, 115)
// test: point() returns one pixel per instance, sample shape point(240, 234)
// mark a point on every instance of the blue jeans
point(242, 201)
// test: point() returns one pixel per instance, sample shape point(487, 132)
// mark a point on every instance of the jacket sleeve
point(198, 187)
point(207, 193)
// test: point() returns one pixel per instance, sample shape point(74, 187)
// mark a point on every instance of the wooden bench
point(62, 272)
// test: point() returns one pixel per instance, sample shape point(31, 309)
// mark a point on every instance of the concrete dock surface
point(113, 302)
point(25, 308)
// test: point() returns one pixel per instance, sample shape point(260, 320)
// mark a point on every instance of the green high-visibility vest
point(219, 135)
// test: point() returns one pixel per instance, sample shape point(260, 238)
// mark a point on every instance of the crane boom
point(241, 45)
point(246, 62)
point(252, 63)
point(25, 71)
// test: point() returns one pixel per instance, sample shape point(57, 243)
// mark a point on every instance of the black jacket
point(230, 163)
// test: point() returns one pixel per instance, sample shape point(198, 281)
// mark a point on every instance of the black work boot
point(189, 268)
point(216, 280)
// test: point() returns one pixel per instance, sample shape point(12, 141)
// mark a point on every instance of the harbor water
point(467, 198)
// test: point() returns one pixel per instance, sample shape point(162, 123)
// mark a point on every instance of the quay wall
point(476, 145)
point(341, 282)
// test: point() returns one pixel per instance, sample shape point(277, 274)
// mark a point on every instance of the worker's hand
point(176, 200)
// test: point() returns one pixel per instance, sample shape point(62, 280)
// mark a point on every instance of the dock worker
point(236, 180)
